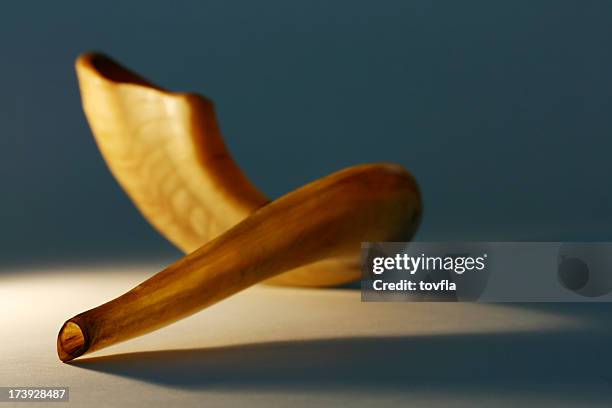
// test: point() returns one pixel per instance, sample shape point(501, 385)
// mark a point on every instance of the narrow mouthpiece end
point(70, 342)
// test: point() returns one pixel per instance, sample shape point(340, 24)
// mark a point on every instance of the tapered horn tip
point(71, 341)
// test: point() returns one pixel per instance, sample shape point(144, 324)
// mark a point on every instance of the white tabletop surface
point(272, 346)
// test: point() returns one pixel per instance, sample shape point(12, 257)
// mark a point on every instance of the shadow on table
point(569, 364)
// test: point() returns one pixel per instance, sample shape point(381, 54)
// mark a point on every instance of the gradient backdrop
point(502, 110)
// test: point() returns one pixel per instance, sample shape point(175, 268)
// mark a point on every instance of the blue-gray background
point(500, 109)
